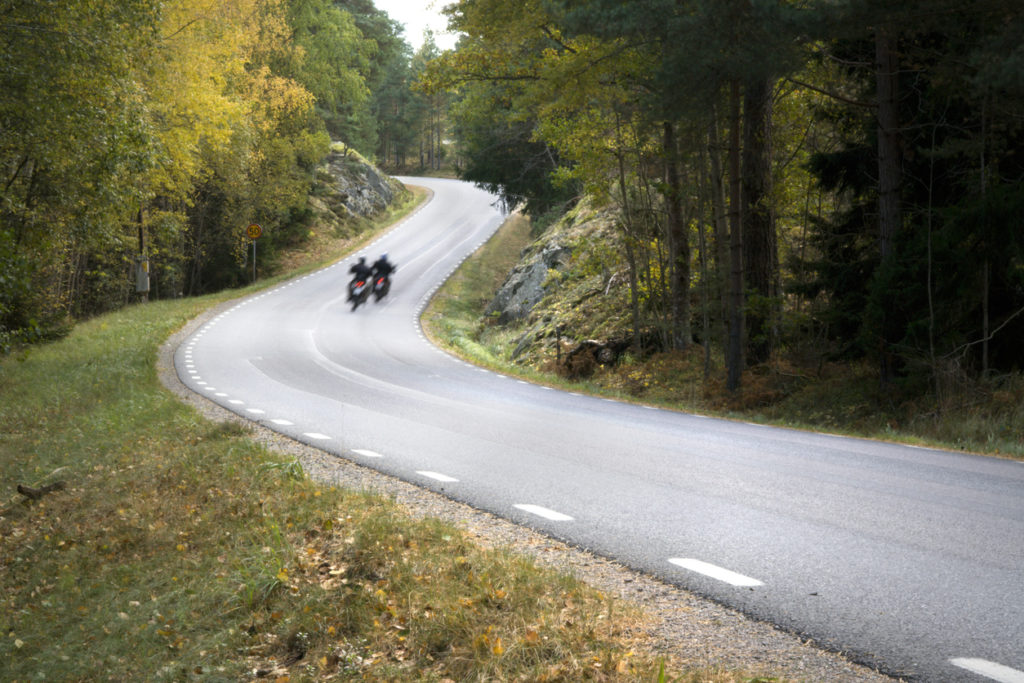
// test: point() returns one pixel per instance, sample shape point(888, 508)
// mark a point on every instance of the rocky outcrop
point(349, 186)
point(530, 281)
point(524, 286)
point(569, 295)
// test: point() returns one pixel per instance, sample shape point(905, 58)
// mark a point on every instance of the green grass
point(453, 318)
point(180, 549)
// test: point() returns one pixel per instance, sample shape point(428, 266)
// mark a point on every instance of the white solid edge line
point(543, 512)
point(983, 667)
point(436, 475)
point(714, 571)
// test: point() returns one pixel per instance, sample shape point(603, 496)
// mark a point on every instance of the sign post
point(254, 231)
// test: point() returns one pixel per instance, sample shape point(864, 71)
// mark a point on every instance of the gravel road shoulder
point(693, 630)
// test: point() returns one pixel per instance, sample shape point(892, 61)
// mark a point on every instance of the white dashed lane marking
point(983, 667)
point(436, 475)
point(317, 436)
point(553, 515)
point(367, 454)
point(715, 572)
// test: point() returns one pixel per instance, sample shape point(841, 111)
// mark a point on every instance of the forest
point(844, 175)
point(148, 134)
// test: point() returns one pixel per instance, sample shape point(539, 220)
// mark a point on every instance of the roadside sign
point(254, 231)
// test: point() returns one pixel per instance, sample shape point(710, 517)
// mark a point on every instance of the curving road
point(907, 559)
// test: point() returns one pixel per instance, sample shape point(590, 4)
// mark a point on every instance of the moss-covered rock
point(349, 186)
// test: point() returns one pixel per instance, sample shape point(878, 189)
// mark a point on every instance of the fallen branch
point(36, 494)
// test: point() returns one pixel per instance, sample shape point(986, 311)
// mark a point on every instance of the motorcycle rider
point(360, 271)
point(382, 267)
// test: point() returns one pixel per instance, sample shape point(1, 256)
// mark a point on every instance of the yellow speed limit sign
point(254, 231)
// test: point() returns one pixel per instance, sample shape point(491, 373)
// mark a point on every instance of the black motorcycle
point(359, 291)
point(381, 287)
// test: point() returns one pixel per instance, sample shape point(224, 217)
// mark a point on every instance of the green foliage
point(73, 140)
point(500, 153)
point(499, 85)
point(396, 109)
point(403, 127)
point(958, 253)
point(161, 128)
point(13, 289)
point(628, 101)
point(331, 57)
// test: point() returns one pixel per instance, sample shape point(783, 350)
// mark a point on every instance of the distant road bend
point(908, 559)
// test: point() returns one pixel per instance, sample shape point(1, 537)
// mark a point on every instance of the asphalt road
point(907, 559)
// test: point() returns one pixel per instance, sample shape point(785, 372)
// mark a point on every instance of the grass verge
point(179, 549)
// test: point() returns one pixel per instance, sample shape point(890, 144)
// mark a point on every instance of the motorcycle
point(358, 293)
point(381, 287)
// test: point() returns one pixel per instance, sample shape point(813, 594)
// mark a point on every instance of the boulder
point(355, 186)
point(524, 287)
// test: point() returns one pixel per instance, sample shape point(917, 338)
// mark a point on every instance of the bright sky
point(418, 15)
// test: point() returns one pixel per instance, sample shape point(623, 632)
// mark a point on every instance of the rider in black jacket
point(360, 271)
point(383, 267)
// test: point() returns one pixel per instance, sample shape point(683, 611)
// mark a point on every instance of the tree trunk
point(702, 259)
point(678, 243)
point(986, 266)
point(734, 352)
point(437, 137)
point(889, 179)
point(634, 298)
point(720, 223)
point(760, 255)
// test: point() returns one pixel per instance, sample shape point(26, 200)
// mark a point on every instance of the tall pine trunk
point(719, 219)
point(734, 350)
point(760, 255)
point(679, 243)
point(889, 179)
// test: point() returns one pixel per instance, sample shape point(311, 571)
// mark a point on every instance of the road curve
point(907, 559)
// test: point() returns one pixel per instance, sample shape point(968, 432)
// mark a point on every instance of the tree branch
point(963, 348)
point(833, 95)
point(36, 494)
point(558, 41)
